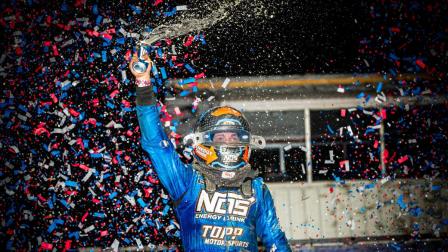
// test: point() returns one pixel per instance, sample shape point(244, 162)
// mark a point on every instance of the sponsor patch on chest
point(223, 203)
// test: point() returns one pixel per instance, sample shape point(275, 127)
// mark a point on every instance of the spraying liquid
point(183, 26)
point(189, 24)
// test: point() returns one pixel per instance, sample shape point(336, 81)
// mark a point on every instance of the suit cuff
point(145, 96)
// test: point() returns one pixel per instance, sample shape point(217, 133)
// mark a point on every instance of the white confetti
point(346, 165)
point(87, 176)
point(123, 31)
point(65, 110)
point(89, 228)
point(331, 160)
point(65, 83)
point(92, 192)
point(375, 126)
point(16, 150)
point(114, 124)
point(181, 8)
point(350, 131)
point(115, 245)
point(63, 130)
point(225, 83)
point(68, 42)
point(130, 199)
point(134, 35)
point(380, 98)
point(138, 176)
point(123, 22)
point(22, 117)
point(139, 243)
point(384, 180)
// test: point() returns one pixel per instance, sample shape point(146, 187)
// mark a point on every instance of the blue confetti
point(379, 87)
point(99, 215)
point(71, 183)
point(436, 188)
point(112, 195)
point(330, 129)
point(189, 68)
point(186, 81)
point(184, 93)
point(141, 202)
point(401, 203)
point(104, 56)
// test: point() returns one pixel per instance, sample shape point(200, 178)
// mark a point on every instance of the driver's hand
point(146, 74)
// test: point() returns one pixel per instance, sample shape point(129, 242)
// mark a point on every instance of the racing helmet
point(222, 142)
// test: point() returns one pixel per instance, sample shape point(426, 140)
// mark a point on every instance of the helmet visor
point(226, 137)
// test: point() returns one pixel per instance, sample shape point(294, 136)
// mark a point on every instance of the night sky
point(289, 37)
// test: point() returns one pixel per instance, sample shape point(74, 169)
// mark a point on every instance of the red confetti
point(114, 93)
point(84, 216)
point(420, 63)
point(73, 112)
point(46, 246)
point(403, 159)
point(54, 98)
point(189, 41)
point(395, 29)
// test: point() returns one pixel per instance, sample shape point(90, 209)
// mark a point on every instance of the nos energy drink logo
point(224, 203)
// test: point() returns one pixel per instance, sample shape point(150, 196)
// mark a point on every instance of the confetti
point(181, 8)
point(225, 83)
point(77, 123)
point(345, 164)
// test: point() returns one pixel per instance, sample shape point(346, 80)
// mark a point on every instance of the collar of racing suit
point(242, 178)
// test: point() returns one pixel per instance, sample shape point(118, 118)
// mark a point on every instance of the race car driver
point(219, 201)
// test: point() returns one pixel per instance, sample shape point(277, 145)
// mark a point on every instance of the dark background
point(289, 37)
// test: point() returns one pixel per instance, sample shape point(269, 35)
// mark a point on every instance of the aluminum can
point(141, 65)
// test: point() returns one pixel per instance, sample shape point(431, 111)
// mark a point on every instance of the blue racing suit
point(219, 221)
